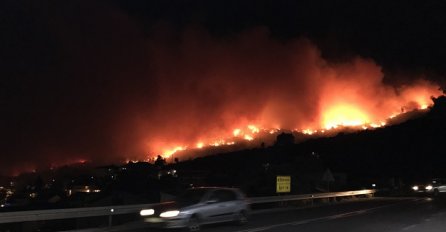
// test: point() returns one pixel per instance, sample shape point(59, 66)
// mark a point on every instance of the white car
point(199, 206)
point(435, 187)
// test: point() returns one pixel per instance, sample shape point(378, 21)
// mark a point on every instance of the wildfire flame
point(340, 115)
point(344, 115)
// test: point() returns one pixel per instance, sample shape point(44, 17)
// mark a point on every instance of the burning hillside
point(213, 93)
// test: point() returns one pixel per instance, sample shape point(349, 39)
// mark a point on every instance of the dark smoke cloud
point(85, 82)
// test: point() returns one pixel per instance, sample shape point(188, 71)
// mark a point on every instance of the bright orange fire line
point(335, 117)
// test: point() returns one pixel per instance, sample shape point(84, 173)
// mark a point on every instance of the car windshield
point(191, 196)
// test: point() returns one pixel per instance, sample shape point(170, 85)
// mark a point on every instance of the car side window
point(227, 195)
point(223, 195)
point(438, 182)
point(214, 197)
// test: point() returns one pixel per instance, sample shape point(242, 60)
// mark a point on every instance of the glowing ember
point(200, 145)
point(217, 143)
point(253, 129)
point(309, 131)
point(168, 153)
point(374, 125)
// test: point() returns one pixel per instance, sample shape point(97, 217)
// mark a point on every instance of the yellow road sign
point(283, 184)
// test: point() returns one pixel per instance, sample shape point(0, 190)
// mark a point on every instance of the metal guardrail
point(53, 214)
point(257, 200)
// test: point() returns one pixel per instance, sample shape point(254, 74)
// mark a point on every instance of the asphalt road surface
point(379, 214)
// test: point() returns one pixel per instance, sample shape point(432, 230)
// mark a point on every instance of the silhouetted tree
point(160, 161)
point(38, 184)
point(284, 139)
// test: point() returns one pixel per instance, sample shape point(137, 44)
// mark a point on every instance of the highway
point(379, 214)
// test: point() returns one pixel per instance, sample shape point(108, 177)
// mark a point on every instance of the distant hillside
point(410, 149)
point(414, 148)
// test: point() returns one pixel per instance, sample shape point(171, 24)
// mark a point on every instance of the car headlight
point(415, 188)
point(429, 187)
point(146, 212)
point(172, 213)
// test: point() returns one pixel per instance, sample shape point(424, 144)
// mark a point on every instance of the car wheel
point(436, 192)
point(241, 217)
point(193, 224)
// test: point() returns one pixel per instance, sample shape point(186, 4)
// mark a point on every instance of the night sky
point(104, 80)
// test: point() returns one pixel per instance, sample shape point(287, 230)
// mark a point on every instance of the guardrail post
point(312, 201)
point(110, 218)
